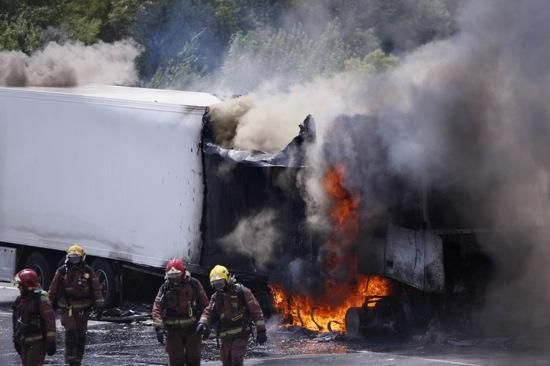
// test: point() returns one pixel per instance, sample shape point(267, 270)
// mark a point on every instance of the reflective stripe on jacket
point(234, 308)
point(179, 306)
point(76, 286)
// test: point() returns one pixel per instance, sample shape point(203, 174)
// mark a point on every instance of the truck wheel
point(353, 321)
point(42, 266)
point(109, 281)
point(61, 262)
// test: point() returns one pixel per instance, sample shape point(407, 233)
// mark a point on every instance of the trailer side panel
point(124, 179)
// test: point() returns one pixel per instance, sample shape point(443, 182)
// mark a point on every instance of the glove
point(98, 308)
point(160, 334)
point(17, 347)
point(261, 338)
point(204, 330)
point(50, 346)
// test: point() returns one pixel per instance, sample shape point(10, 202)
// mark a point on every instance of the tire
point(42, 266)
point(61, 262)
point(353, 322)
point(108, 278)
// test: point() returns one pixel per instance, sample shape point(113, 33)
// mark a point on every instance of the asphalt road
point(135, 344)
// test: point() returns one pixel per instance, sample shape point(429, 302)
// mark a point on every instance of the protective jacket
point(179, 306)
point(234, 309)
point(75, 287)
point(33, 318)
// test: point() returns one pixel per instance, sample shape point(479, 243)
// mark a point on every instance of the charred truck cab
point(433, 246)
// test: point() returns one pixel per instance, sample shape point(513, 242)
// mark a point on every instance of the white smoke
point(255, 237)
point(71, 64)
point(268, 119)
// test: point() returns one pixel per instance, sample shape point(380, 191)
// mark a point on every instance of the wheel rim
point(353, 322)
point(103, 282)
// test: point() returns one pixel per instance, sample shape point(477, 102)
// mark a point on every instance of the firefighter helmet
point(175, 268)
point(219, 273)
point(76, 249)
point(27, 278)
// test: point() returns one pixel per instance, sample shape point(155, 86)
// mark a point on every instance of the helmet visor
point(74, 258)
point(217, 284)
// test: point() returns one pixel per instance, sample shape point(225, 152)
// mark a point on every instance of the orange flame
point(327, 311)
point(345, 205)
point(339, 252)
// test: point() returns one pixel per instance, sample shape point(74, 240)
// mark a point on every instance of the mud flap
point(413, 257)
point(7, 263)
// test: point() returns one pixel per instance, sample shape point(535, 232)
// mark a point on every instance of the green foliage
point(21, 25)
point(92, 20)
point(375, 62)
point(237, 42)
point(291, 54)
point(26, 25)
point(296, 56)
point(120, 20)
point(179, 71)
point(228, 17)
point(18, 35)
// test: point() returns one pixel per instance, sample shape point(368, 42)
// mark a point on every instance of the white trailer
point(115, 169)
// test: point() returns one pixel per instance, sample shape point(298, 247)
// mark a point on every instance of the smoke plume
point(267, 120)
point(255, 237)
point(71, 64)
point(470, 112)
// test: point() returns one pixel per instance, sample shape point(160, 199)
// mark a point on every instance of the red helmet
point(174, 267)
point(27, 278)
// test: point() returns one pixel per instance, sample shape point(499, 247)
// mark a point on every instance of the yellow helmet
point(219, 273)
point(76, 249)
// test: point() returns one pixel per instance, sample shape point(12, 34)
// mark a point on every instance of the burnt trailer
point(240, 184)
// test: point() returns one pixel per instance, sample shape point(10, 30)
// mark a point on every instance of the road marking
point(447, 361)
point(8, 288)
point(459, 363)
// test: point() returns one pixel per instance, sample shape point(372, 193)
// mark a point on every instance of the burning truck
point(362, 274)
point(139, 176)
point(395, 253)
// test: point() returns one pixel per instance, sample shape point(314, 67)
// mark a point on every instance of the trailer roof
point(133, 94)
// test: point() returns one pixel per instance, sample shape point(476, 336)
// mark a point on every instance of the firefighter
point(234, 308)
point(33, 320)
point(75, 289)
point(176, 311)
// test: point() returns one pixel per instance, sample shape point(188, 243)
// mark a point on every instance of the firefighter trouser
point(233, 350)
point(33, 353)
point(76, 326)
point(183, 347)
